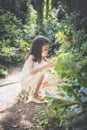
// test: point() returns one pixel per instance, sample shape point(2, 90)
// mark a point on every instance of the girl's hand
point(49, 65)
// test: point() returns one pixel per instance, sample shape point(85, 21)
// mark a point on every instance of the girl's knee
point(42, 75)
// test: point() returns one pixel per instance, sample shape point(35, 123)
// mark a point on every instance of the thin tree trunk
point(47, 8)
point(55, 3)
point(83, 8)
point(39, 8)
point(8, 5)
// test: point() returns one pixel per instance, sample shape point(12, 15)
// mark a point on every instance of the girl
point(33, 75)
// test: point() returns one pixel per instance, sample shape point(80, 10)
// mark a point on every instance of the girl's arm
point(52, 68)
point(33, 70)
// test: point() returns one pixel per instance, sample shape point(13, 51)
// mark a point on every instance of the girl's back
point(26, 71)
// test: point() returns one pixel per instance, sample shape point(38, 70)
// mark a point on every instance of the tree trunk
point(83, 8)
point(8, 5)
point(18, 7)
point(39, 5)
point(55, 3)
point(21, 9)
point(47, 8)
point(77, 5)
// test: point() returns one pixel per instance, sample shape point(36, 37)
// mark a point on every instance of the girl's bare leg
point(45, 84)
point(36, 93)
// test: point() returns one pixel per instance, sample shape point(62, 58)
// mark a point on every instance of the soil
point(22, 117)
point(13, 116)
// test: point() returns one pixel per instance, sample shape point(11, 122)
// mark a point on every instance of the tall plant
point(70, 64)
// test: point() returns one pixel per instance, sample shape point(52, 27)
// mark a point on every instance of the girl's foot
point(37, 99)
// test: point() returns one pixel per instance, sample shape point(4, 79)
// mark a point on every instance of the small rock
point(15, 126)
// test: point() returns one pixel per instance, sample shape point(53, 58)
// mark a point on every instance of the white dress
point(30, 82)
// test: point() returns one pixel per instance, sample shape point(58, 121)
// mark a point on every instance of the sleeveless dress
point(30, 82)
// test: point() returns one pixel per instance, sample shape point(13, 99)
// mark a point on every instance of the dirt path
point(22, 117)
point(9, 89)
point(25, 116)
point(13, 116)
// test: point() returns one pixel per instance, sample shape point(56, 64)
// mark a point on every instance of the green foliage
point(50, 28)
point(11, 32)
point(70, 63)
point(66, 65)
point(29, 30)
point(10, 29)
point(63, 100)
point(61, 107)
point(3, 72)
point(68, 42)
point(12, 43)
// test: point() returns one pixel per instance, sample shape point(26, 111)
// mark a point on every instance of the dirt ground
point(13, 116)
point(22, 117)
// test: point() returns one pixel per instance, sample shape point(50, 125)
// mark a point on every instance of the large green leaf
point(60, 101)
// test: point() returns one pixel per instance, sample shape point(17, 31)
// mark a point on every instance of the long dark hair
point(36, 48)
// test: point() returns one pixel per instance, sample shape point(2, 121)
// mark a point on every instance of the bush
point(68, 107)
point(12, 43)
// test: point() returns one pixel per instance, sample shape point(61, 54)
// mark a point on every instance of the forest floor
point(13, 116)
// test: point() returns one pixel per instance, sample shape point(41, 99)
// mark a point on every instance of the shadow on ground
point(22, 117)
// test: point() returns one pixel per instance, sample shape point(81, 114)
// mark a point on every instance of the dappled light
point(4, 115)
point(54, 94)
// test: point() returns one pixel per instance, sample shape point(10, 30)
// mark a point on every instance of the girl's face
point(45, 50)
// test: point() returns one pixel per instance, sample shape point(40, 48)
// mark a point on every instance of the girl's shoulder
point(31, 57)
